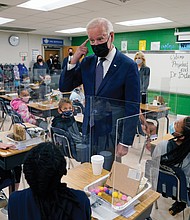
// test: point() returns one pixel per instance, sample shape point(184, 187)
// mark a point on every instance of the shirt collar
point(110, 55)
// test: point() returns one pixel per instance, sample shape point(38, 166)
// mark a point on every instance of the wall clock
point(14, 40)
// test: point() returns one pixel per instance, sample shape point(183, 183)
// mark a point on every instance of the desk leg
point(157, 127)
point(13, 180)
point(167, 123)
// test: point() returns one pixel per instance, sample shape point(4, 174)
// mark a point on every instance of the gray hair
point(100, 22)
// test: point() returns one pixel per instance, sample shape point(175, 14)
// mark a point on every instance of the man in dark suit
point(68, 59)
point(50, 60)
point(117, 96)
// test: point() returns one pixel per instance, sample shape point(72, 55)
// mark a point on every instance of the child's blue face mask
point(67, 114)
point(172, 130)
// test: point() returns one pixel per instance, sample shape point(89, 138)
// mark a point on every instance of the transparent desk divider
point(38, 75)
point(131, 175)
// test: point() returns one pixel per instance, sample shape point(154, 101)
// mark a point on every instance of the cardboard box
point(124, 179)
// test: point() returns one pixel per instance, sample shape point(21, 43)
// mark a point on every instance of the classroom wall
point(28, 42)
point(180, 104)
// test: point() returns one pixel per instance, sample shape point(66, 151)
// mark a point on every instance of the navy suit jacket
point(121, 83)
point(65, 61)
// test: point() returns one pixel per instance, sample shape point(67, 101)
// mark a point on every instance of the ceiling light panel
point(72, 31)
point(147, 21)
point(48, 5)
point(5, 20)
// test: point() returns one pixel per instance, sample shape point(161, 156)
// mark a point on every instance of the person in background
point(47, 198)
point(144, 72)
point(77, 96)
point(50, 60)
point(40, 68)
point(176, 152)
point(55, 67)
point(7, 174)
point(68, 58)
point(120, 84)
point(20, 106)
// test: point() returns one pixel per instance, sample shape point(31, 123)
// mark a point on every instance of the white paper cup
point(97, 164)
point(154, 102)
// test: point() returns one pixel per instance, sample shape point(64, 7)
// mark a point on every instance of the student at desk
point(47, 198)
point(176, 152)
point(20, 106)
point(66, 121)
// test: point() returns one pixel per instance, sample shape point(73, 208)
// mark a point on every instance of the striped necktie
point(99, 73)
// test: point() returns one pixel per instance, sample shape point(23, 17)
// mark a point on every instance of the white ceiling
point(78, 15)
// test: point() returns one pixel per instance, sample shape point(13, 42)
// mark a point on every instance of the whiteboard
point(169, 72)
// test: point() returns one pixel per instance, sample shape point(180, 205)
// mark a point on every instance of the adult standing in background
point(68, 58)
point(50, 60)
point(120, 82)
point(144, 72)
point(55, 67)
point(40, 68)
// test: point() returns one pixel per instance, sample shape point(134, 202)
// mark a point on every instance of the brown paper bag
point(19, 132)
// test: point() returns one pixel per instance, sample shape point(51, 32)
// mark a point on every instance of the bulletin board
point(170, 70)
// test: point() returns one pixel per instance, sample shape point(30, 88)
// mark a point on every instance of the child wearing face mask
point(66, 121)
point(175, 152)
point(20, 106)
point(144, 72)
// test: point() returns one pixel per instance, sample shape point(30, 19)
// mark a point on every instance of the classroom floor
point(130, 159)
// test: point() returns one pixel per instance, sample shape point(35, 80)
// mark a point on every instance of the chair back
point(60, 139)
point(4, 107)
point(172, 183)
point(16, 117)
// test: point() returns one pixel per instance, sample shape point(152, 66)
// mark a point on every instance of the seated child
point(175, 152)
point(66, 121)
point(20, 106)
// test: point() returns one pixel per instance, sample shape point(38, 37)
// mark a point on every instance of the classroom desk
point(155, 113)
point(2, 92)
point(10, 158)
point(79, 117)
point(43, 112)
point(6, 97)
point(81, 176)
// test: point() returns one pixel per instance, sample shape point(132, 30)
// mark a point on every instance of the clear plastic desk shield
point(110, 134)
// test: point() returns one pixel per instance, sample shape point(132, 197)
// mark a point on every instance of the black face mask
point(101, 50)
point(51, 57)
point(70, 54)
point(39, 60)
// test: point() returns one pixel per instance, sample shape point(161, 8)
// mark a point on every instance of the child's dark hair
point(177, 155)
point(43, 168)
